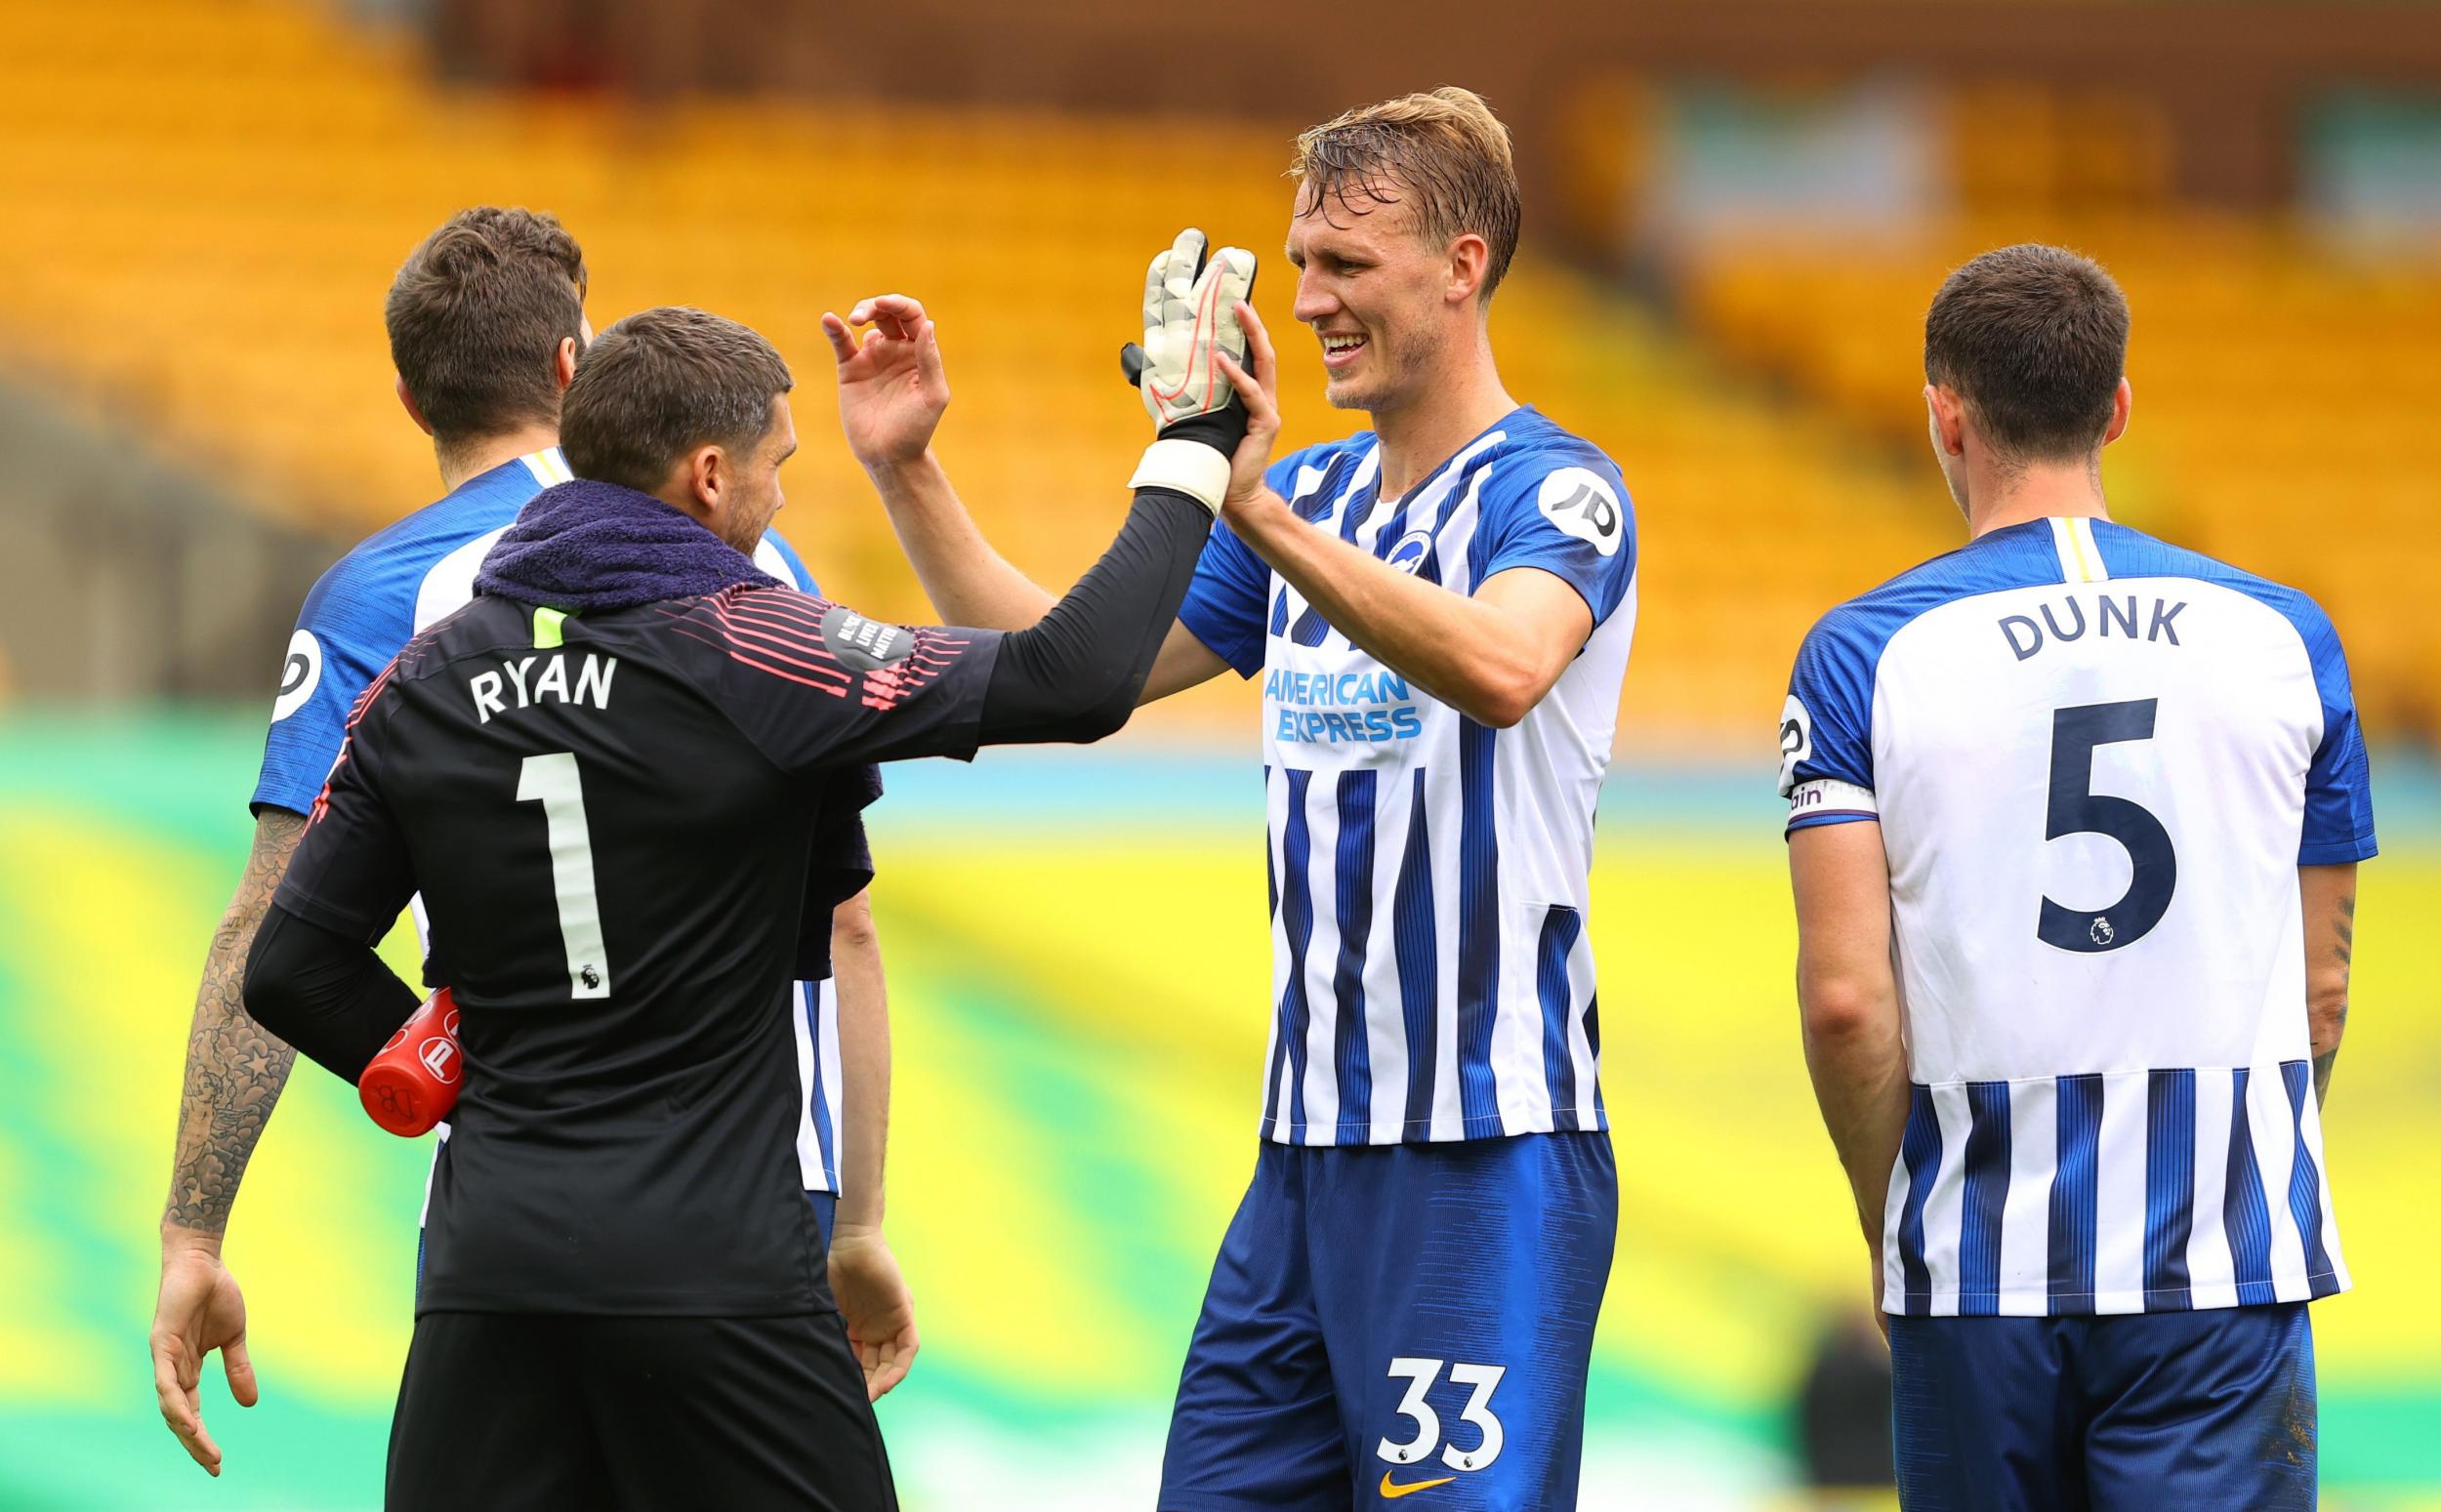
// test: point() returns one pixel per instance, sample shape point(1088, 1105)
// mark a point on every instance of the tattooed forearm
point(2329, 898)
point(234, 1067)
point(2343, 947)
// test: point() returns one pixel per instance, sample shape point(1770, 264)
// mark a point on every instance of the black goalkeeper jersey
point(609, 817)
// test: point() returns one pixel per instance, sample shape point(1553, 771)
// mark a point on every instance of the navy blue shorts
point(1388, 1320)
point(2147, 1411)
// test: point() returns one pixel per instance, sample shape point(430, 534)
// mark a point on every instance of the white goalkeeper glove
point(1190, 314)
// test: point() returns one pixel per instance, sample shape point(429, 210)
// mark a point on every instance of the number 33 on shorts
point(1474, 1444)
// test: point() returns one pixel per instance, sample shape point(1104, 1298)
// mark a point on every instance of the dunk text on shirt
point(2098, 762)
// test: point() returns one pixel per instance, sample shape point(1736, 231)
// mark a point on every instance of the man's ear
point(2122, 400)
point(1949, 418)
point(708, 476)
point(1470, 259)
point(564, 367)
point(406, 401)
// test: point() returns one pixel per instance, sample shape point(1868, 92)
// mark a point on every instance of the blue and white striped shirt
point(2097, 761)
point(1431, 976)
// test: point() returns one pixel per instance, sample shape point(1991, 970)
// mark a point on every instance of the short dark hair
point(477, 316)
point(2035, 338)
point(661, 383)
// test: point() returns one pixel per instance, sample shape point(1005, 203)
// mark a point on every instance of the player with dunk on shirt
point(2074, 823)
point(486, 321)
point(1440, 609)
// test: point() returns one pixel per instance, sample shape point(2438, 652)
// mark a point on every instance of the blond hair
point(1445, 150)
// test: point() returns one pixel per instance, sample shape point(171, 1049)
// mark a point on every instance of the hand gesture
point(1190, 307)
point(892, 390)
point(1259, 389)
point(200, 1310)
point(1193, 332)
point(874, 1303)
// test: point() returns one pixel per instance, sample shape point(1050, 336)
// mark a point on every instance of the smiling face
point(1405, 218)
point(1377, 296)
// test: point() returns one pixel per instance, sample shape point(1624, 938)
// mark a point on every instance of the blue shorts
point(2143, 1412)
point(1389, 1320)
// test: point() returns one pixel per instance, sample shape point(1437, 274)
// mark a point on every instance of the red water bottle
point(413, 1082)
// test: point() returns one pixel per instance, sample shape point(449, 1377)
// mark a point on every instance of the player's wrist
point(901, 472)
point(179, 1239)
point(1179, 465)
point(857, 1236)
point(1221, 428)
point(1252, 509)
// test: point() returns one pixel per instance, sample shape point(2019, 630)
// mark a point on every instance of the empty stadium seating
point(2285, 390)
point(205, 203)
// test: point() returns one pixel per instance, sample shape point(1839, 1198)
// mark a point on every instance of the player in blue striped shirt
point(486, 321)
point(1440, 610)
point(2073, 824)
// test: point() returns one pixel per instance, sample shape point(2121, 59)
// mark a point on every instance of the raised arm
point(1847, 1001)
point(817, 686)
point(968, 581)
point(893, 391)
point(2329, 895)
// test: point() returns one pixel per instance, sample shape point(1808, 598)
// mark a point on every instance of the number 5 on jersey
point(1419, 1374)
point(552, 781)
point(2077, 810)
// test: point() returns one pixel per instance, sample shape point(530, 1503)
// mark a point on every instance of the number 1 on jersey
point(551, 781)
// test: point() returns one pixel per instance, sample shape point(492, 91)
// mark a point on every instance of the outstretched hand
point(200, 1310)
point(1191, 294)
point(891, 388)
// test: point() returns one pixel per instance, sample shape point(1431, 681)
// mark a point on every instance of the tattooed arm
point(234, 1068)
point(2329, 894)
point(234, 1072)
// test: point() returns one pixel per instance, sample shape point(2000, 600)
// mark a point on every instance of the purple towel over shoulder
point(590, 547)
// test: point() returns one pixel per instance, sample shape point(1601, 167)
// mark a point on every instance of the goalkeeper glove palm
point(1190, 317)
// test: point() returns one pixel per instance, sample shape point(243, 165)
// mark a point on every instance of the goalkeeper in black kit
point(605, 776)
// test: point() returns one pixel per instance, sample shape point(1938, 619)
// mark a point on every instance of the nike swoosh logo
point(1391, 1489)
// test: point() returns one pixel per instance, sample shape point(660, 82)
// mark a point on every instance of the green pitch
point(1079, 967)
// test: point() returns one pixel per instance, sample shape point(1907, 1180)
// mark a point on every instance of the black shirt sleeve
point(323, 992)
point(350, 873)
point(839, 866)
point(817, 684)
point(1076, 674)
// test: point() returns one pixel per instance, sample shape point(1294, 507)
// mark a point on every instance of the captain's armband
point(1828, 800)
